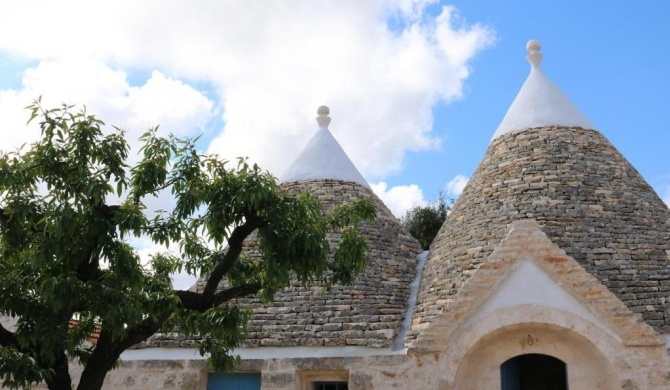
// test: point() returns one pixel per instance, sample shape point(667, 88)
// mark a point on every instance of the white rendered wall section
point(528, 284)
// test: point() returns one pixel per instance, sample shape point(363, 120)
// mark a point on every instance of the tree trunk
point(61, 378)
point(107, 352)
point(102, 360)
point(96, 369)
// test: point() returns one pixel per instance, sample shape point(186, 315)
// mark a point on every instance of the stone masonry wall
point(590, 202)
point(630, 369)
point(368, 313)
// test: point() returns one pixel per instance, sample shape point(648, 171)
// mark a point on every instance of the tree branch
point(107, 351)
point(3, 217)
point(200, 302)
point(108, 211)
point(89, 266)
point(6, 218)
point(236, 292)
point(194, 301)
point(240, 233)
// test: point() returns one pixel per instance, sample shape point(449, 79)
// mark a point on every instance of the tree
point(65, 254)
point(423, 222)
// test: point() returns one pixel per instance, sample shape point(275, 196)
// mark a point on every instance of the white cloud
point(399, 199)
point(13, 129)
point(106, 93)
point(271, 64)
point(455, 186)
point(267, 65)
point(177, 107)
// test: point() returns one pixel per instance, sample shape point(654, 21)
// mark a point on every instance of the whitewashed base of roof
point(260, 353)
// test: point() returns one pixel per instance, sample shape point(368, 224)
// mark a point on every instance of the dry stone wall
point(368, 313)
point(590, 202)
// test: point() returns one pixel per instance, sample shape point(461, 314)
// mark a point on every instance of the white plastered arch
point(478, 350)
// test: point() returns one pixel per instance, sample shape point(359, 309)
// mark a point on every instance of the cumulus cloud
point(270, 66)
point(380, 65)
point(380, 85)
point(178, 108)
point(399, 199)
point(455, 186)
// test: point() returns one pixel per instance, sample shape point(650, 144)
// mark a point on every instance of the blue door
point(234, 382)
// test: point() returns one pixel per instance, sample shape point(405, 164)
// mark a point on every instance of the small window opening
point(533, 372)
point(330, 386)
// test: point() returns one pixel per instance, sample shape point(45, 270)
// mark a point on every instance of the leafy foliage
point(69, 206)
point(424, 222)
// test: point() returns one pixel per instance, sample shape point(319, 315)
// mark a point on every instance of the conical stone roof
point(369, 312)
point(587, 197)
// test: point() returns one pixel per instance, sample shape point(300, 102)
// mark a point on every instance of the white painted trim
point(260, 353)
point(161, 354)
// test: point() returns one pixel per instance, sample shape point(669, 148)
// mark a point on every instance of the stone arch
point(480, 348)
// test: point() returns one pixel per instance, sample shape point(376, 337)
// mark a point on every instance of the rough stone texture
point(368, 313)
point(526, 242)
point(155, 374)
point(596, 214)
point(468, 356)
point(590, 202)
point(615, 367)
point(379, 372)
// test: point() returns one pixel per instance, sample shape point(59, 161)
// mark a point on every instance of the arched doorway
point(485, 352)
point(533, 371)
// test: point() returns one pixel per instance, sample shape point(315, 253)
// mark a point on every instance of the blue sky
point(610, 58)
point(416, 87)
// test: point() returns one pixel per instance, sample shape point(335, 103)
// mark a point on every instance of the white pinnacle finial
point(540, 102)
point(323, 119)
point(534, 56)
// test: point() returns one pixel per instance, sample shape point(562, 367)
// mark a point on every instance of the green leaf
point(67, 255)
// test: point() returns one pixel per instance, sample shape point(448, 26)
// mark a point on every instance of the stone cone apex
point(369, 312)
point(323, 158)
point(540, 102)
point(585, 196)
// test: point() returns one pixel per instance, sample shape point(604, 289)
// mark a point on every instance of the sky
point(416, 88)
